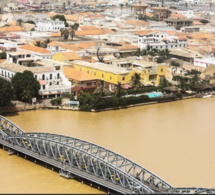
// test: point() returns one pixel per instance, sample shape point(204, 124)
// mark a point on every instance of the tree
point(174, 63)
point(164, 83)
point(136, 81)
point(30, 22)
point(65, 34)
point(99, 56)
point(25, 86)
point(121, 6)
point(74, 27)
point(6, 93)
point(19, 22)
point(38, 43)
point(178, 27)
point(160, 60)
point(3, 55)
point(61, 18)
point(119, 91)
point(204, 21)
point(101, 90)
point(195, 79)
point(182, 80)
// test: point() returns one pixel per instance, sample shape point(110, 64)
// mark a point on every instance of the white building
point(52, 82)
point(161, 40)
point(33, 34)
point(50, 25)
point(187, 13)
point(204, 62)
point(6, 45)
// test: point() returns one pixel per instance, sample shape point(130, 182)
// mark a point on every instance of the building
point(10, 45)
point(49, 25)
point(36, 52)
point(109, 73)
point(53, 83)
point(160, 40)
point(160, 12)
point(179, 21)
point(80, 80)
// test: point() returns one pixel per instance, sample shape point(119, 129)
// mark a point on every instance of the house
point(160, 39)
point(109, 73)
point(53, 83)
point(66, 57)
point(80, 80)
point(37, 52)
point(10, 45)
point(49, 25)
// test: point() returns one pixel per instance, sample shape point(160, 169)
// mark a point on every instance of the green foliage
point(74, 27)
point(101, 90)
point(56, 102)
point(164, 83)
point(19, 21)
point(5, 25)
point(61, 18)
point(136, 80)
point(178, 27)
point(3, 55)
point(42, 44)
point(64, 33)
point(119, 91)
point(6, 93)
point(33, 29)
point(204, 21)
point(193, 72)
point(25, 86)
point(30, 22)
point(174, 63)
point(146, 18)
point(179, 95)
point(160, 60)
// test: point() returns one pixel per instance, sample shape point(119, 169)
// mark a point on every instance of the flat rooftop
point(102, 66)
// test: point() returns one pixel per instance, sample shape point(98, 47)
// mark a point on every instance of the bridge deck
point(70, 169)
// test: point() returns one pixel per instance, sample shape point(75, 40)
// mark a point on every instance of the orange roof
point(133, 22)
point(88, 28)
point(197, 23)
point(2, 60)
point(165, 39)
point(35, 49)
point(71, 56)
point(71, 17)
point(86, 45)
point(77, 75)
point(73, 47)
point(182, 37)
point(13, 23)
point(145, 32)
point(177, 16)
point(11, 29)
point(149, 14)
point(55, 43)
point(203, 36)
point(91, 15)
point(127, 47)
point(93, 32)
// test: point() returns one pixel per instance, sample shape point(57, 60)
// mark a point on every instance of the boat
point(206, 95)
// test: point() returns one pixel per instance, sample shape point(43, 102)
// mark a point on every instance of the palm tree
point(65, 34)
point(19, 21)
point(101, 90)
point(195, 79)
point(99, 56)
point(74, 27)
point(119, 91)
point(164, 83)
point(183, 85)
point(136, 81)
point(26, 95)
point(38, 44)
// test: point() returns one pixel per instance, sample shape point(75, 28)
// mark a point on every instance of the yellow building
point(109, 73)
point(114, 74)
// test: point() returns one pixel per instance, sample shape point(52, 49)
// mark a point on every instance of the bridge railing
point(140, 173)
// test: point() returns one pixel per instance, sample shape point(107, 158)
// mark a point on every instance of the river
point(175, 140)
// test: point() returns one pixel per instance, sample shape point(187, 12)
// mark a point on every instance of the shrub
point(56, 101)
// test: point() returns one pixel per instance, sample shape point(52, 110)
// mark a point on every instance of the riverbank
point(23, 108)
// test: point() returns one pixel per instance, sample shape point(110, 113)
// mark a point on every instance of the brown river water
point(175, 140)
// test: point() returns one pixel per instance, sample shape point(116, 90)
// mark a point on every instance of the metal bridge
point(78, 158)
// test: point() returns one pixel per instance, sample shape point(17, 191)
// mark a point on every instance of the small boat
point(207, 95)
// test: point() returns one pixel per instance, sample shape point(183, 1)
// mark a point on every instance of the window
point(35, 76)
point(44, 87)
point(50, 83)
point(43, 77)
point(85, 84)
point(58, 75)
point(94, 73)
point(123, 78)
point(93, 84)
point(161, 69)
point(58, 83)
point(8, 75)
point(110, 77)
point(102, 75)
point(50, 76)
point(88, 71)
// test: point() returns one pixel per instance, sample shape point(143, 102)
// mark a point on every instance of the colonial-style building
point(50, 25)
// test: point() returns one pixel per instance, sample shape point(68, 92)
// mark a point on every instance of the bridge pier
point(66, 174)
point(11, 152)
